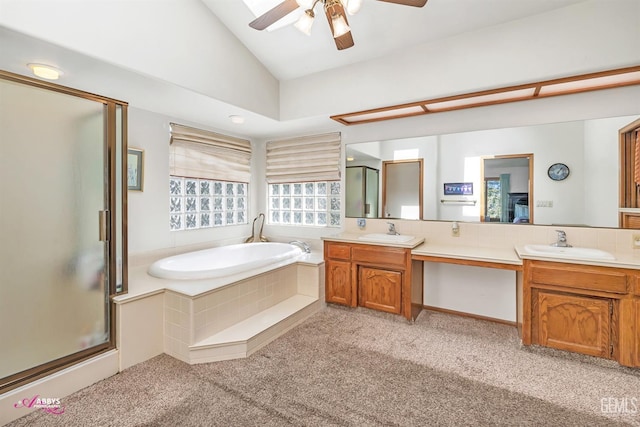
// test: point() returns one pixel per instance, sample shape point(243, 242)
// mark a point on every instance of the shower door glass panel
point(53, 266)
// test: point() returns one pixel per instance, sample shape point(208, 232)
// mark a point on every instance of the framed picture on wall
point(135, 169)
point(458, 189)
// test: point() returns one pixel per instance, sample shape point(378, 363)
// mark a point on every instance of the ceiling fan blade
point(415, 3)
point(345, 41)
point(271, 16)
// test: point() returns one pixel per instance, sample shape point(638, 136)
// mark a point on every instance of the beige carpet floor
point(345, 367)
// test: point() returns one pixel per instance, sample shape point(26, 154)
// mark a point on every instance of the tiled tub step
point(249, 335)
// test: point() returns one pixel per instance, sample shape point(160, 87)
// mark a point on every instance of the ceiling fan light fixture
point(305, 22)
point(305, 4)
point(353, 6)
point(340, 27)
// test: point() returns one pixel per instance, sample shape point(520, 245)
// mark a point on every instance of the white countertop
point(355, 238)
point(509, 255)
point(473, 253)
point(622, 260)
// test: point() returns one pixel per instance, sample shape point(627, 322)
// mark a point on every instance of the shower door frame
point(113, 238)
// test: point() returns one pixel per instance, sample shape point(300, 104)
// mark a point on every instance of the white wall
point(179, 41)
point(585, 37)
point(602, 166)
point(482, 291)
point(148, 211)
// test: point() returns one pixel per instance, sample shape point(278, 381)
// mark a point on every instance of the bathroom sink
point(386, 238)
point(572, 252)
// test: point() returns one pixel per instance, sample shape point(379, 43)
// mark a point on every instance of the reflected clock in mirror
point(558, 171)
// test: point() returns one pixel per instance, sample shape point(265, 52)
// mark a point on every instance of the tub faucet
point(562, 240)
point(392, 229)
point(305, 246)
point(260, 237)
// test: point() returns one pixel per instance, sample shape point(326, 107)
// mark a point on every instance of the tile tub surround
point(189, 321)
point(217, 319)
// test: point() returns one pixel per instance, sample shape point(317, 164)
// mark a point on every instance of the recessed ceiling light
point(45, 71)
point(236, 119)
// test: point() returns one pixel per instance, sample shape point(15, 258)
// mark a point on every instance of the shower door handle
point(103, 226)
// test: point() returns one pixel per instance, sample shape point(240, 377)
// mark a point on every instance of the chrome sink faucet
point(392, 229)
point(562, 240)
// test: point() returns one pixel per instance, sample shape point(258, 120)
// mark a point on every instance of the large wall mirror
point(588, 196)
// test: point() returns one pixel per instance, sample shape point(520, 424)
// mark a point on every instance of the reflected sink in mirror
point(386, 238)
point(572, 252)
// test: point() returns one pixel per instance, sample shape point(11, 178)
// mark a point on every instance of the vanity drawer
point(379, 255)
point(594, 279)
point(338, 251)
point(636, 285)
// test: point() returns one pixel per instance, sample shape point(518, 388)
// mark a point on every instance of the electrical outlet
point(455, 230)
point(635, 241)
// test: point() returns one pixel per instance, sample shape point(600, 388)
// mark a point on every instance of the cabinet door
point(380, 289)
point(338, 288)
point(574, 323)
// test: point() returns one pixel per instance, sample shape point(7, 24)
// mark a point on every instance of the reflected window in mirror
point(508, 188)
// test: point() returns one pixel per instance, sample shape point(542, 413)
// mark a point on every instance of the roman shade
point(304, 159)
point(197, 153)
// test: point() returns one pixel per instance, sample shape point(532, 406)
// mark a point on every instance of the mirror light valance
point(304, 159)
point(620, 77)
point(197, 153)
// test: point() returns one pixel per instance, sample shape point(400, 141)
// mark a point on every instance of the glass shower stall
point(62, 234)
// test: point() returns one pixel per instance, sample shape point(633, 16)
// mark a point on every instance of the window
point(305, 203)
point(203, 203)
point(209, 182)
point(303, 176)
point(493, 203)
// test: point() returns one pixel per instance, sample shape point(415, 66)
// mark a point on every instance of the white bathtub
point(223, 261)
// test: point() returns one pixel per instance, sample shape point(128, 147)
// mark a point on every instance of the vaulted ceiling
point(199, 61)
point(379, 29)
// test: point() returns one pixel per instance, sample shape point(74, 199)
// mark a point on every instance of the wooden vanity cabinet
point(373, 276)
point(585, 309)
point(339, 287)
point(574, 323)
point(380, 289)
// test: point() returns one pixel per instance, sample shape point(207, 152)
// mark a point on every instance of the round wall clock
point(558, 171)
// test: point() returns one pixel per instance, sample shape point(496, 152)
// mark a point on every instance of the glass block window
point(305, 204)
point(203, 203)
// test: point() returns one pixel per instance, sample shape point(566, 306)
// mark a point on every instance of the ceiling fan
point(333, 9)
